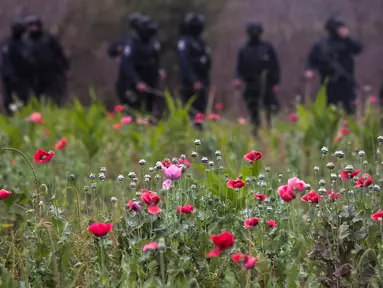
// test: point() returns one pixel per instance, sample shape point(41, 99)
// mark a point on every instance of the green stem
point(36, 205)
point(162, 267)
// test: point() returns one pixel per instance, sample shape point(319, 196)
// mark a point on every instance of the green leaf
point(343, 231)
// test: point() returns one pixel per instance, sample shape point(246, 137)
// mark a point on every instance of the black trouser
point(137, 100)
point(255, 100)
point(14, 87)
point(342, 92)
point(51, 85)
point(199, 104)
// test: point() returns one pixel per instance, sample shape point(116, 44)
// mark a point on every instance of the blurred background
point(86, 27)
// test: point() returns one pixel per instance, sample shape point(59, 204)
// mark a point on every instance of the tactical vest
point(199, 57)
point(255, 60)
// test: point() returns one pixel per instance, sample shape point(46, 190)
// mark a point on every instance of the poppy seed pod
point(92, 176)
point(349, 168)
point(361, 154)
point(316, 168)
point(376, 188)
point(380, 139)
point(307, 187)
point(113, 200)
point(86, 188)
point(101, 176)
point(93, 186)
point(151, 169)
point(330, 165)
point(120, 178)
point(197, 142)
point(219, 158)
point(132, 175)
point(142, 162)
point(333, 176)
point(324, 150)
point(132, 185)
point(103, 169)
point(261, 177)
point(183, 156)
point(204, 160)
point(322, 182)
point(211, 163)
point(194, 154)
point(221, 168)
point(218, 153)
point(158, 177)
point(339, 154)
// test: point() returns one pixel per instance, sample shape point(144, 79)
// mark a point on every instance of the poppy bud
point(194, 154)
point(324, 150)
point(221, 168)
point(92, 176)
point(151, 169)
point(197, 142)
point(29, 223)
point(207, 171)
point(86, 189)
point(161, 244)
point(316, 168)
point(204, 160)
point(158, 177)
point(101, 176)
point(330, 165)
point(41, 204)
point(322, 182)
point(120, 178)
point(103, 169)
point(211, 163)
point(267, 169)
point(72, 176)
point(365, 163)
point(361, 154)
point(218, 153)
point(280, 176)
point(339, 154)
point(193, 187)
point(142, 162)
point(132, 175)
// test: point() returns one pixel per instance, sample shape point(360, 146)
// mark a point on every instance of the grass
point(45, 239)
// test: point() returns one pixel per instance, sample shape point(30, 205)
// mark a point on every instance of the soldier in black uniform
point(51, 64)
point(140, 67)
point(258, 68)
point(333, 58)
point(15, 65)
point(195, 62)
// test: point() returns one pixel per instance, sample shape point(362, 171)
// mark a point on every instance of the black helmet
point(153, 28)
point(333, 23)
point(145, 28)
point(134, 20)
point(17, 28)
point(34, 21)
point(254, 29)
point(194, 23)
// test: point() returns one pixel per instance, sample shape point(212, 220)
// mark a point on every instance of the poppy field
point(90, 198)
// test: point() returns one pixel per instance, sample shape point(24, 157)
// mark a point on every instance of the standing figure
point(258, 68)
point(51, 64)
point(140, 67)
point(15, 66)
point(195, 63)
point(333, 58)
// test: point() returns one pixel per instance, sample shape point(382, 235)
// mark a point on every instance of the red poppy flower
point(312, 197)
point(296, 184)
point(337, 138)
point(199, 117)
point(42, 156)
point(286, 193)
point(260, 197)
point(293, 117)
point(245, 260)
point(346, 175)
point(344, 131)
point(61, 144)
point(167, 163)
point(345, 123)
point(378, 216)
point(150, 246)
point(111, 115)
point(364, 181)
point(253, 156)
point(242, 120)
point(36, 118)
point(134, 206)
point(219, 106)
point(117, 126)
point(271, 223)
point(186, 162)
point(334, 196)
point(238, 183)
point(373, 99)
point(251, 222)
point(152, 199)
point(100, 229)
point(214, 117)
point(4, 194)
point(186, 209)
point(222, 242)
point(119, 108)
point(125, 120)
